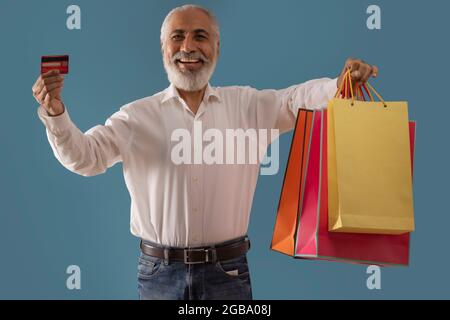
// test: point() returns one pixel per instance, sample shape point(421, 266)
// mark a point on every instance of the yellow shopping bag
point(369, 166)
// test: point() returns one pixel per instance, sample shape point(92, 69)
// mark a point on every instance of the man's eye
point(201, 37)
point(177, 37)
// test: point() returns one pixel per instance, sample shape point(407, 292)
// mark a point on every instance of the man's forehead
point(190, 20)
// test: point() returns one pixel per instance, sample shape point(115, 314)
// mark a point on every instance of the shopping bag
point(369, 167)
point(310, 202)
point(283, 239)
point(314, 241)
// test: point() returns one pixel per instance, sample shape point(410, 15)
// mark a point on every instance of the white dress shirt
point(182, 205)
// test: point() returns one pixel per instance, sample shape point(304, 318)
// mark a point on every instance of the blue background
point(51, 218)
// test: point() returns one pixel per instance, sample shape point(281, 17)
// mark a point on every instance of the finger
point(50, 73)
point(54, 92)
point(356, 76)
point(47, 99)
point(374, 71)
point(54, 85)
point(355, 73)
point(47, 81)
point(33, 88)
point(41, 95)
point(38, 86)
point(355, 65)
point(51, 80)
point(367, 73)
point(348, 63)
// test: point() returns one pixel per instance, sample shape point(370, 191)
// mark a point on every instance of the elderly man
point(192, 219)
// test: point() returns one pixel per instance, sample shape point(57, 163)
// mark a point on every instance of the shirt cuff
point(56, 125)
point(331, 88)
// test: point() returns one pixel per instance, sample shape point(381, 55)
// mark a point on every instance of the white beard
point(188, 80)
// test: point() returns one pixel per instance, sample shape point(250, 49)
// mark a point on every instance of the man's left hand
point(360, 72)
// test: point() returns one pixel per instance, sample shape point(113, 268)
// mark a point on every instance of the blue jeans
point(222, 280)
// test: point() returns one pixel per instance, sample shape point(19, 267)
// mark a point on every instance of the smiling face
point(190, 48)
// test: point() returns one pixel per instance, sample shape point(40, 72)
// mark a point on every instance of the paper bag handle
point(346, 85)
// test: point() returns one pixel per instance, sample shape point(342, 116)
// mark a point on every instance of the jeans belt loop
point(213, 255)
point(166, 256)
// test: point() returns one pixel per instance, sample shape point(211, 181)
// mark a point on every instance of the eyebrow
point(196, 31)
point(201, 31)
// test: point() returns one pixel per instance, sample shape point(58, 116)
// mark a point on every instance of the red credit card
point(60, 63)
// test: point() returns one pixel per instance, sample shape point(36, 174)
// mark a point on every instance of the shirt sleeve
point(90, 153)
point(277, 109)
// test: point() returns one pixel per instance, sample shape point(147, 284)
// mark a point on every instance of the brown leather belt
point(198, 255)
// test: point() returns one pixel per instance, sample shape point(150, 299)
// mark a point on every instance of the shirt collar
point(171, 92)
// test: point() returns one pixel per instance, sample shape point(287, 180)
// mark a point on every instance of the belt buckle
point(206, 251)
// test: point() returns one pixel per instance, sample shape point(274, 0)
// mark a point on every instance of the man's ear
point(218, 48)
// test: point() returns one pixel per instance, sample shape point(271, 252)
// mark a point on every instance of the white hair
point(187, 7)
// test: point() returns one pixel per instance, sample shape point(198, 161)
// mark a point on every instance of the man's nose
point(188, 45)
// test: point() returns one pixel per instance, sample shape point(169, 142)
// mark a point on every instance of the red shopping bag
point(310, 199)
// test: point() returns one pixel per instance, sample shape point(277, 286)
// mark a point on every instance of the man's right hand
point(47, 92)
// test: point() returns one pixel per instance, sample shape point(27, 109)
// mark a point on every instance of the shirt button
point(195, 178)
point(195, 210)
